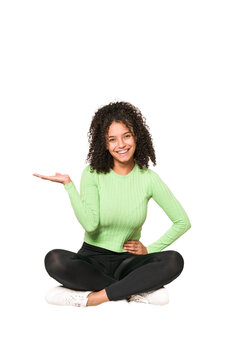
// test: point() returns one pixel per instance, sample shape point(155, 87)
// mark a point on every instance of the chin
point(125, 160)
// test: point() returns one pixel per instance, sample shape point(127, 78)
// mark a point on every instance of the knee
point(177, 261)
point(52, 259)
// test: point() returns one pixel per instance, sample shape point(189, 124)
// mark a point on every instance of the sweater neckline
point(124, 176)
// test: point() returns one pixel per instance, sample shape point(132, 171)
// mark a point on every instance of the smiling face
point(120, 139)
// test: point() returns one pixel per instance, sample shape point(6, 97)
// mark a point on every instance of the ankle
point(97, 297)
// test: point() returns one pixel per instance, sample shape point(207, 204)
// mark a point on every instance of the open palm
point(60, 178)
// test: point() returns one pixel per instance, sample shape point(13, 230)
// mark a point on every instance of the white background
point(178, 62)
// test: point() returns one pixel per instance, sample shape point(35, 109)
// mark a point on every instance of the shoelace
point(138, 298)
point(142, 297)
point(74, 299)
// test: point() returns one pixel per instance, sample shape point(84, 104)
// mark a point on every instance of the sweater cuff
point(68, 186)
point(149, 250)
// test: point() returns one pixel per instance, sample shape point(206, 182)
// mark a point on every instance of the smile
point(122, 153)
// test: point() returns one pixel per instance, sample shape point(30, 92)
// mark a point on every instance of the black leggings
point(94, 268)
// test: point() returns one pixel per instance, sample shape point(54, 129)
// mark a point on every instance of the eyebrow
point(123, 134)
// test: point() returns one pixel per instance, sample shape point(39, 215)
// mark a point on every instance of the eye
point(114, 139)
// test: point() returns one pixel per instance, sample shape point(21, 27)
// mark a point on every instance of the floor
point(194, 325)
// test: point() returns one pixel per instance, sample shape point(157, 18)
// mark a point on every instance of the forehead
point(117, 128)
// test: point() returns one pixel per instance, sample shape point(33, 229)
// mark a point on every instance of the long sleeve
point(173, 209)
point(85, 204)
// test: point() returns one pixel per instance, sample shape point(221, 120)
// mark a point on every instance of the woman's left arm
point(173, 209)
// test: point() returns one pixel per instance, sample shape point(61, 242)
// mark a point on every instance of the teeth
point(122, 152)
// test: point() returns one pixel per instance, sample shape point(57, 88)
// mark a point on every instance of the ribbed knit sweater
point(112, 208)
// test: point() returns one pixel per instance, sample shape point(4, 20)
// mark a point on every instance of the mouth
point(123, 153)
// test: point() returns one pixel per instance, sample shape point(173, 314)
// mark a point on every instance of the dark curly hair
point(99, 157)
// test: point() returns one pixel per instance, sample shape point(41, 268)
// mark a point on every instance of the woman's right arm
point(86, 204)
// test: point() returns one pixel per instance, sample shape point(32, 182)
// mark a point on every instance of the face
point(119, 139)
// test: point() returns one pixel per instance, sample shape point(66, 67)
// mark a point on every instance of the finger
point(133, 247)
point(40, 176)
point(132, 251)
point(44, 177)
point(128, 247)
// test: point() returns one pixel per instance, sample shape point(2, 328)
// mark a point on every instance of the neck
point(123, 169)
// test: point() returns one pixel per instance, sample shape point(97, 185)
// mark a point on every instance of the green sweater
point(112, 208)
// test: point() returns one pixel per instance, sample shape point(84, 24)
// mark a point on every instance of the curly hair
point(99, 157)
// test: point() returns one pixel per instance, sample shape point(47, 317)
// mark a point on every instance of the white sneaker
point(61, 295)
point(155, 297)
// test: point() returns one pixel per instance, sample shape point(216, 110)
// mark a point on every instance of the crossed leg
point(75, 271)
point(135, 274)
point(145, 273)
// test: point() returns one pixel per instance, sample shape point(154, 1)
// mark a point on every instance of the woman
point(113, 264)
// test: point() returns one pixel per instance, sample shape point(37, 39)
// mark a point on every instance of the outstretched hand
point(60, 178)
point(135, 247)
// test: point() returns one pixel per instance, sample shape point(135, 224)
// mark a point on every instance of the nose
point(121, 144)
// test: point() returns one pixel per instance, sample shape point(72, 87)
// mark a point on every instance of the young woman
point(113, 264)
